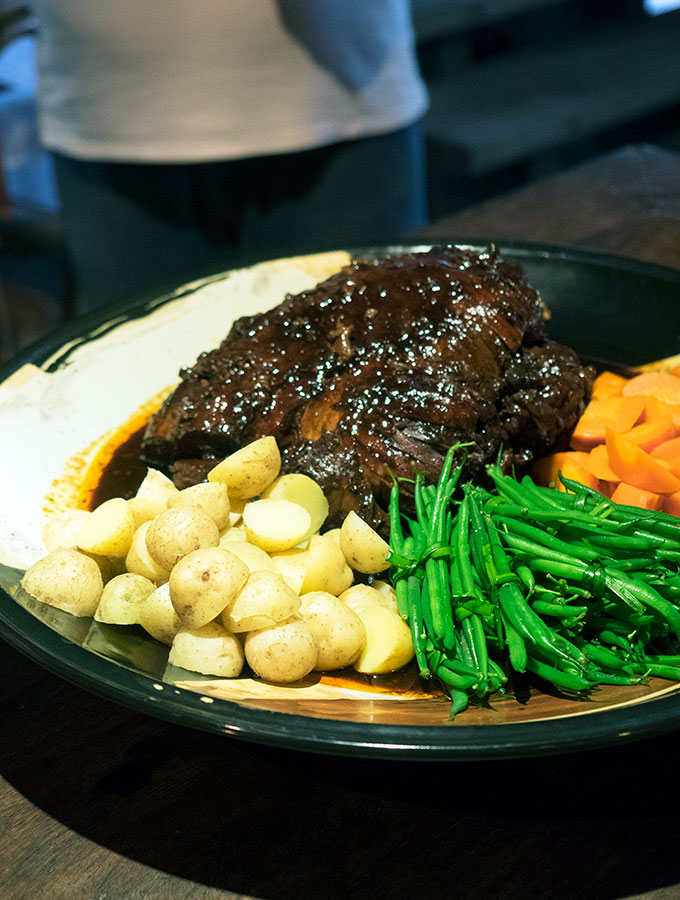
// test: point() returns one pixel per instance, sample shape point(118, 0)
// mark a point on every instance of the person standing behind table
point(190, 137)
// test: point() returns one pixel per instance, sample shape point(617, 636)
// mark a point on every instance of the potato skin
point(210, 650)
point(204, 583)
point(264, 600)
point(179, 531)
point(364, 549)
point(248, 471)
point(210, 498)
point(67, 579)
point(157, 615)
point(338, 629)
point(122, 598)
point(284, 653)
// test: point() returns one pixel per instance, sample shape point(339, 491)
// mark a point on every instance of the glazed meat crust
point(379, 368)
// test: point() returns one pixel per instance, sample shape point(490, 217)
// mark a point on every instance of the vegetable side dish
point(343, 486)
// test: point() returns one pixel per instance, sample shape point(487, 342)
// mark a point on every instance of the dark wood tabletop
point(101, 803)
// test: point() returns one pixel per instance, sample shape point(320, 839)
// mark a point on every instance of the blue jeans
point(137, 229)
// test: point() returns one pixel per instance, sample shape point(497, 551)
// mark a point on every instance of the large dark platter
point(606, 307)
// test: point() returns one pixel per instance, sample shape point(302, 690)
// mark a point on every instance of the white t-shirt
point(199, 80)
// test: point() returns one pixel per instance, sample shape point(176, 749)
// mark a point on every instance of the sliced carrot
point(662, 385)
point(608, 384)
point(634, 465)
point(671, 504)
point(607, 488)
point(572, 464)
point(630, 495)
point(648, 435)
point(657, 409)
point(619, 413)
point(598, 464)
point(669, 451)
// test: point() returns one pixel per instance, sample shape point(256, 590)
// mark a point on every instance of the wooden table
point(100, 803)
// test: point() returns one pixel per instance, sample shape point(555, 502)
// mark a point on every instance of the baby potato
point(233, 533)
point(274, 524)
point(339, 631)
point(108, 530)
point(152, 496)
point(67, 579)
point(255, 558)
point(210, 650)
point(122, 598)
point(210, 498)
point(388, 644)
point(333, 534)
point(387, 593)
point(140, 562)
point(326, 568)
point(283, 653)
point(364, 549)
point(360, 597)
point(265, 600)
point(176, 532)
point(157, 615)
point(303, 490)
point(205, 582)
point(248, 471)
point(291, 566)
point(61, 528)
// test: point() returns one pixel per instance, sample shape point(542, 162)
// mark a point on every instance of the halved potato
point(152, 496)
point(122, 598)
point(291, 566)
point(254, 557)
point(364, 549)
point(339, 631)
point(179, 531)
point(108, 531)
point(275, 525)
point(204, 583)
point(61, 528)
point(210, 650)
point(264, 600)
point(157, 615)
point(140, 561)
point(303, 490)
point(248, 471)
point(388, 644)
point(211, 498)
point(326, 568)
point(67, 579)
point(283, 653)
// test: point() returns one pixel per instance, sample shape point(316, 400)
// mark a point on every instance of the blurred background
point(519, 89)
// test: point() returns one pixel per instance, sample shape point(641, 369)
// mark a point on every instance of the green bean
point(557, 677)
point(558, 610)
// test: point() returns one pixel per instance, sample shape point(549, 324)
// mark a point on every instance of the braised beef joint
point(379, 368)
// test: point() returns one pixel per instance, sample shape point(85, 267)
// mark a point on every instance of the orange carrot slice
point(648, 435)
point(657, 409)
point(572, 464)
point(669, 451)
point(630, 495)
point(662, 385)
point(671, 504)
point(608, 384)
point(598, 464)
point(618, 413)
point(635, 466)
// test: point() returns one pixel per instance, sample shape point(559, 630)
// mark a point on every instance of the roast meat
point(378, 369)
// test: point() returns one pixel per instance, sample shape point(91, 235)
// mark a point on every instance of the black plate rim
point(91, 671)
